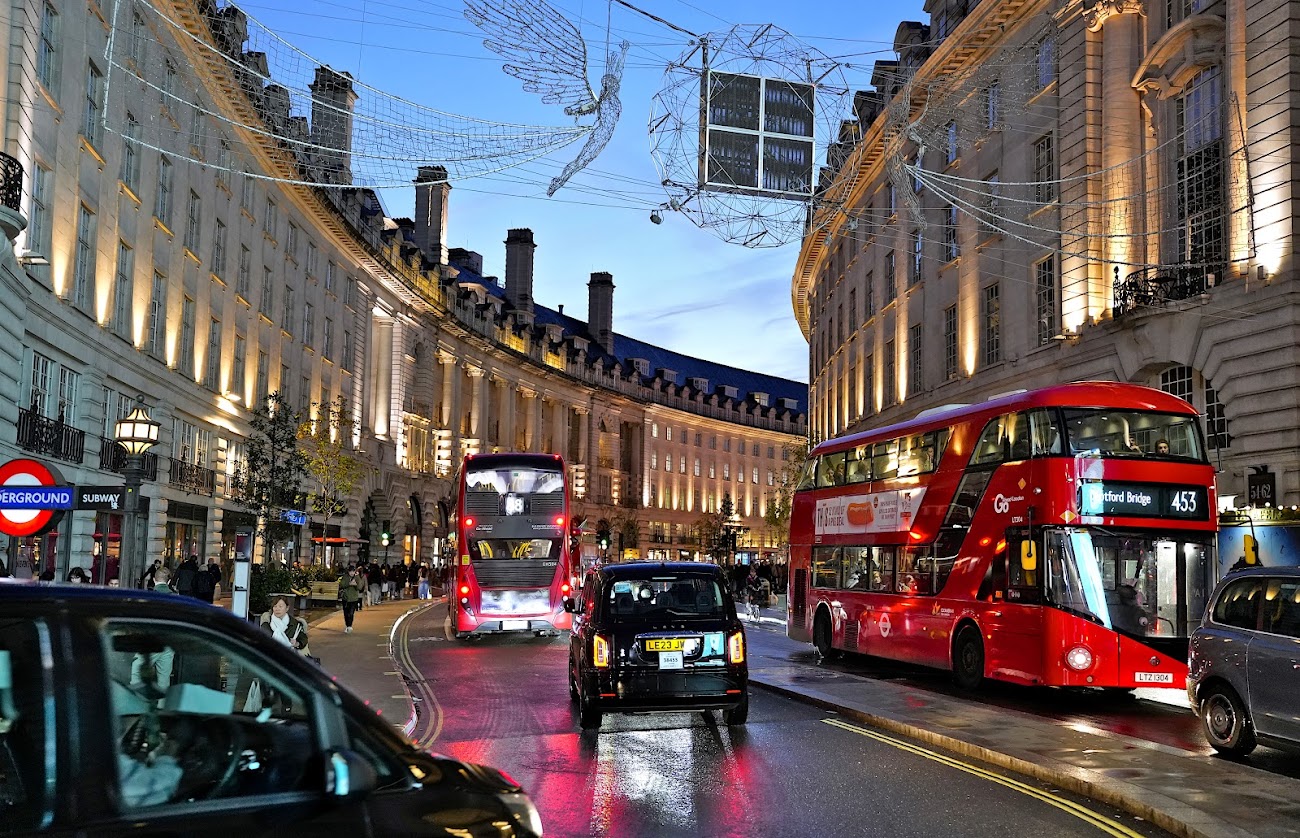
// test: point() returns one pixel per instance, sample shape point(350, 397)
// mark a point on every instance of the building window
point(991, 103)
point(1202, 195)
point(123, 290)
point(869, 290)
point(1049, 325)
point(950, 145)
point(1177, 381)
point(346, 361)
point(950, 342)
point(38, 228)
point(186, 361)
point(270, 219)
point(654, 430)
point(313, 258)
point(47, 50)
point(918, 254)
point(726, 471)
point(68, 384)
point(246, 193)
point(167, 93)
point(83, 272)
point(268, 292)
point(223, 161)
point(1046, 61)
point(697, 466)
point(193, 222)
point(308, 324)
point(891, 199)
point(1044, 170)
point(327, 341)
point(890, 382)
point(162, 205)
point(918, 163)
point(157, 315)
point(853, 310)
point(349, 290)
point(219, 251)
point(916, 354)
point(286, 322)
point(991, 310)
point(212, 360)
point(839, 334)
point(291, 242)
point(42, 369)
point(237, 365)
point(991, 206)
point(654, 460)
point(130, 172)
point(1216, 424)
point(891, 279)
point(198, 132)
point(262, 392)
point(949, 233)
point(754, 475)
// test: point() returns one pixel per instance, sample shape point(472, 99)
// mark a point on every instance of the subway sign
point(1144, 500)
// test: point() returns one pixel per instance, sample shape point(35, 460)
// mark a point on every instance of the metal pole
point(130, 566)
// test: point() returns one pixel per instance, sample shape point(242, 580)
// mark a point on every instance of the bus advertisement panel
point(513, 567)
point(1061, 537)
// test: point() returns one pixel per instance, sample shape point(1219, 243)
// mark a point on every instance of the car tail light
point(736, 648)
point(1079, 658)
point(600, 652)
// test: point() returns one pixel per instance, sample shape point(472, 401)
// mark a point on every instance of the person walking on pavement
point(147, 581)
point(205, 584)
point(350, 592)
point(186, 577)
point(424, 581)
point(375, 588)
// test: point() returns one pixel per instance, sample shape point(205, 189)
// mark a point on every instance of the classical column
point(530, 418)
point(382, 387)
point(561, 430)
point(476, 402)
point(448, 362)
point(584, 432)
point(505, 418)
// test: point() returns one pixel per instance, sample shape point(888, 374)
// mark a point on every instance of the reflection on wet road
point(793, 770)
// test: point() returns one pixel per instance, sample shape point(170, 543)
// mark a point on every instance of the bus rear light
point(736, 648)
point(599, 652)
point(469, 523)
point(985, 541)
point(464, 590)
point(1079, 658)
point(564, 589)
point(559, 520)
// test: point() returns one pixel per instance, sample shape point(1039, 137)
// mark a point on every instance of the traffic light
point(386, 534)
point(602, 533)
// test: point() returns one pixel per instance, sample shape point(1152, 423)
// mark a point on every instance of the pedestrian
point(162, 580)
point(77, 576)
point(205, 584)
point(385, 581)
point(375, 588)
point(284, 627)
point(215, 570)
point(186, 575)
point(753, 593)
point(146, 581)
point(424, 581)
point(350, 592)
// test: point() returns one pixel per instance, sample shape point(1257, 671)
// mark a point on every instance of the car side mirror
point(348, 775)
point(570, 606)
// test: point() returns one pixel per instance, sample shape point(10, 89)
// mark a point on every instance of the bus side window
point(825, 567)
point(1044, 432)
point(882, 568)
point(989, 448)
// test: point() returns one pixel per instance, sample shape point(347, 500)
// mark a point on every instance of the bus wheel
point(968, 658)
point(1226, 722)
point(822, 638)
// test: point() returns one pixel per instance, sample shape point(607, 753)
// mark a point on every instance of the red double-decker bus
point(512, 569)
point(1061, 537)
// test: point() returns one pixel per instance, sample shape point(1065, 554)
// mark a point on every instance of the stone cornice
point(1096, 15)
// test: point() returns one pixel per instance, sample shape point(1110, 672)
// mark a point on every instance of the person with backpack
point(205, 584)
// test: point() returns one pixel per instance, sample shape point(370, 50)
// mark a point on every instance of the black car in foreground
point(134, 713)
point(657, 637)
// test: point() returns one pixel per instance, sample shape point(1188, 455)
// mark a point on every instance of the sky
point(677, 286)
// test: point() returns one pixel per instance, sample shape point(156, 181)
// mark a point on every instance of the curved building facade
point(1040, 191)
point(203, 288)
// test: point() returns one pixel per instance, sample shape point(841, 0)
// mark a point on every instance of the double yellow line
point(1083, 813)
point(415, 684)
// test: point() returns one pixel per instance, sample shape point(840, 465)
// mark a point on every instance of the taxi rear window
point(659, 596)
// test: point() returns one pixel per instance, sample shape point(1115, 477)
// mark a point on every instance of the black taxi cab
point(657, 637)
point(144, 714)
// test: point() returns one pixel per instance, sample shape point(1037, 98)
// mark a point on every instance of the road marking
point(1081, 812)
point(394, 672)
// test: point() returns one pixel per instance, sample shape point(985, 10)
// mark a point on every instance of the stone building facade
point(203, 288)
point(1041, 191)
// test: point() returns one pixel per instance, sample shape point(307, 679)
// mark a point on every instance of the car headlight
point(523, 811)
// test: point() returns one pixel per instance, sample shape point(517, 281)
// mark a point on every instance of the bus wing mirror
point(1028, 556)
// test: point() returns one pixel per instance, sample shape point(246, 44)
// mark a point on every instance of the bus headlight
point(1079, 658)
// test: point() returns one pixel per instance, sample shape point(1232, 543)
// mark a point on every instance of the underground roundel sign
point(31, 495)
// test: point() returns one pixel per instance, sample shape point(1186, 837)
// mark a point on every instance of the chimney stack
point(332, 100)
point(519, 268)
point(600, 309)
point(431, 194)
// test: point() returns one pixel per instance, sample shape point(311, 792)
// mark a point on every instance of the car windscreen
point(665, 595)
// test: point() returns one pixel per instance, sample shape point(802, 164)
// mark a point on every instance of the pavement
point(1189, 794)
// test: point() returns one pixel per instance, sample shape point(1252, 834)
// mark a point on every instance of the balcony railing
point(50, 437)
point(113, 458)
point(1156, 286)
point(11, 182)
point(192, 478)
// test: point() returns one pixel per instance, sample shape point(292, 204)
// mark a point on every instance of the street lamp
point(136, 432)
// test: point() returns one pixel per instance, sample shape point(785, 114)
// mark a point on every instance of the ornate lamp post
point(137, 432)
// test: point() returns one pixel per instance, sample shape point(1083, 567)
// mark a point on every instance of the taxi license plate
point(670, 660)
point(514, 625)
point(667, 644)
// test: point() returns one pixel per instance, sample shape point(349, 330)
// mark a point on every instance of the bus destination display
point(1144, 500)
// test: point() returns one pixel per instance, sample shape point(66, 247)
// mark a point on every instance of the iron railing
point(11, 182)
point(1156, 286)
point(192, 478)
point(50, 437)
point(113, 458)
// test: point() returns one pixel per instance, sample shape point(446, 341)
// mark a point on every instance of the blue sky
point(676, 285)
